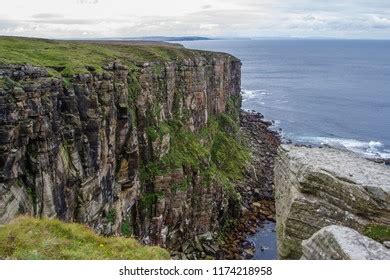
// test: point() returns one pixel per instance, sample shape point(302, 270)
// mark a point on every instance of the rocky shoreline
point(258, 199)
point(376, 159)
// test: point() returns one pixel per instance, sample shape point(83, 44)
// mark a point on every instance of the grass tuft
point(379, 233)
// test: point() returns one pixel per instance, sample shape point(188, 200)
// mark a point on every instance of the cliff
point(147, 140)
point(128, 139)
point(320, 187)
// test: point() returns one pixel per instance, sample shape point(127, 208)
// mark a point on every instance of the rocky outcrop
point(318, 187)
point(76, 148)
point(342, 243)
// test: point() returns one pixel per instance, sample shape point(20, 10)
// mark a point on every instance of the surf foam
point(250, 94)
point(371, 149)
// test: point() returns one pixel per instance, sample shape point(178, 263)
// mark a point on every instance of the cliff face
point(319, 187)
point(82, 149)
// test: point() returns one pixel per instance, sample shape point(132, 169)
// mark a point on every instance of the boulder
point(342, 243)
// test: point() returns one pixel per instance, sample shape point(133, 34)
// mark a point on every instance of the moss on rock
point(379, 233)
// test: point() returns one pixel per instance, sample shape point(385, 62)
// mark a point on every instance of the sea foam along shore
point(369, 149)
point(249, 94)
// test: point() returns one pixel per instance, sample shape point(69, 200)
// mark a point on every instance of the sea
point(317, 92)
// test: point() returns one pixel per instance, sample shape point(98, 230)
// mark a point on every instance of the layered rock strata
point(342, 243)
point(318, 187)
point(75, 149)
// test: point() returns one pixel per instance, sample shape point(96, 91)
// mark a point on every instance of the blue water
point(334, 92)
point(265, 242)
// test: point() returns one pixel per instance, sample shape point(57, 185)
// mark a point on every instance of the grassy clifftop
point(68, 57)
point(29, 238)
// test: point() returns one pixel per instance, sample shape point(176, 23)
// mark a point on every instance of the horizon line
point(199, 38)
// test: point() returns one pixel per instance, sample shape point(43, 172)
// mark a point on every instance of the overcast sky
point(253, 18)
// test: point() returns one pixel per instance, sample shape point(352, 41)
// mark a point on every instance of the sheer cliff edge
point(127, 138)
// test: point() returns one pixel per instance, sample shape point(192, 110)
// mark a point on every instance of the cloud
point(345, 6)
point(47, 16)
point(300, 18)
point(334, 23)
point(88, 1)
point(7, 25)
point(66, 21)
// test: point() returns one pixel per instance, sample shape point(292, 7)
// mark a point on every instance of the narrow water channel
point(264, 241)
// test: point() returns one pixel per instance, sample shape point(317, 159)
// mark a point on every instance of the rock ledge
point(342, 243)
point(318, 187)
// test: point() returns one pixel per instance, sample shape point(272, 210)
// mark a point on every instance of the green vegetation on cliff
point(70, 57)
point(145, 121)
point(29, 238)
point(216, 151)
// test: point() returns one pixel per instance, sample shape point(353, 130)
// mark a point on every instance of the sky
point(364, 19)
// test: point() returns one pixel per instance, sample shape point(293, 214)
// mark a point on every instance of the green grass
point(71, 57)
point(157, 132)
point(43, 239)
point(379, 233)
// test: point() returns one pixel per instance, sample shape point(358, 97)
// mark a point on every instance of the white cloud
point(109, 18)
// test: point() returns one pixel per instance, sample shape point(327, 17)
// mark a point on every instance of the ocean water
point(334, 92)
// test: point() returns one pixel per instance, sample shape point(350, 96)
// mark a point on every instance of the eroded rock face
point(318, 187)
point(342, 243)
point(73, 149)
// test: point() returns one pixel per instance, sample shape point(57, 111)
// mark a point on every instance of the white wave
point(276, 122)
point(372, 149)
point(249, 94)
point(375, 145)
